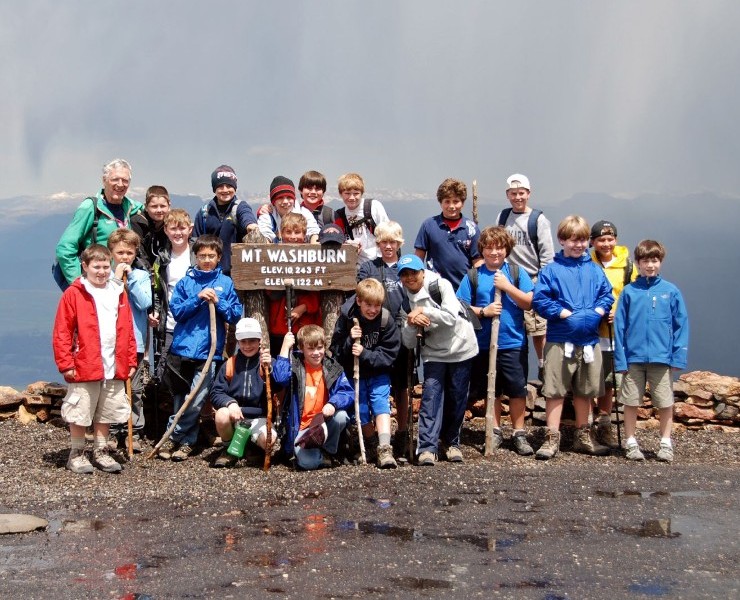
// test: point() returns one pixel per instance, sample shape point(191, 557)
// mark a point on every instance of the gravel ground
point(505, 527)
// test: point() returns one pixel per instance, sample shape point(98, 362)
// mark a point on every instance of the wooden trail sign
point(310, 266)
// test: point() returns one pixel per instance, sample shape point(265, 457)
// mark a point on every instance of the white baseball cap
point(517, 180)
point(248, 329)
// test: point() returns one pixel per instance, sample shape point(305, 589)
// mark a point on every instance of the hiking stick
point(194, 391)
point(268, 427)
point(475, 202)
point(615, 406)
point(363, 458)
point(491, 390)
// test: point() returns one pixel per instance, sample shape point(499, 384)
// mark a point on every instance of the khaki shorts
point(656, 375)
point(562, 374)
point(534, 324)
point(89, 402)
point(607, 373)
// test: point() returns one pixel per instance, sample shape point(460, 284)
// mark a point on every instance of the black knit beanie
point(223, 175)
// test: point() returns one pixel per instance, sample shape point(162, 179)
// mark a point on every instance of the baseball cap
point(603, 228)
point(331, 233)
point(248, 329)
point(410, 261)
point(517, 180)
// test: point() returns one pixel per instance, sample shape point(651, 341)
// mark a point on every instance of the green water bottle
point(242, 433)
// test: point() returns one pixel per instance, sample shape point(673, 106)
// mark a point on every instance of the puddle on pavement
point(75, 526)
point(420, 583)
point(657, 528)
point(381, 502)
point(650, 588)
point(644, 494)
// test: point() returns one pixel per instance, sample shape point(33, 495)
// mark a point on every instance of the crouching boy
point(374, 342)
point(318, 386)
point(447, 344)
point(573, 294)
point(651, 337)
point(95, 351)
point(239, 392)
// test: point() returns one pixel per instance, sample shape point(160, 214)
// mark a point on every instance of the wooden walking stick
point(475, 202)
point(268, 425)
point(491, 390)
point(363, 458)
point(194, 391)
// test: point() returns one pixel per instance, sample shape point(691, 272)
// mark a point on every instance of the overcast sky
point(621, 97)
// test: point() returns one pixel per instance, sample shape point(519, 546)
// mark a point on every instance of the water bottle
point(242, 434)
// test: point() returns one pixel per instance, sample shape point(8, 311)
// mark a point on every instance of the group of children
point(438, 304)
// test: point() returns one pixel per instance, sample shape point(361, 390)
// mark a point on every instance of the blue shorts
point(512, 367)
point(374, 397)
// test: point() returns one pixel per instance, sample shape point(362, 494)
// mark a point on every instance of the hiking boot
point(104, 461)
point(224, 460)
point(182, 453)
point(136, 445)
point(551, 446)
point(521, 445)
point(385, 457)
point(426, 459)
point(633, 452)
point(165, 452)
point(78, 463)
point(401, 444)
point(453, 454)
point(497, 438)
point(585, 443)
point(605, 435)
point(665, 453)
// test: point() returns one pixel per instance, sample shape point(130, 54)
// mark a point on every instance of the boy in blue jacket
point(651, 337)
point(191, 340)
point(318, 385)
point(239, 392)
point(374, 342)
point(573, 294)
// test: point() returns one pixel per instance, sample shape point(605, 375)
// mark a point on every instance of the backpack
point(367, 218)
point(232, 216)
point(56, 269)
point(531, 227)
point(327, 215)
point(628, 271)
point(436, 295)
point(473, 278)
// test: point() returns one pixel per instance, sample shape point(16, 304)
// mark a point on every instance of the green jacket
point(76, 236)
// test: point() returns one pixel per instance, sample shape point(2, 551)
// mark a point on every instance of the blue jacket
point(651, 325)
point(579, 285)
point(140, 298)
point(246, 388)
point(230, 225)
point(341, 392)
point(192, 337)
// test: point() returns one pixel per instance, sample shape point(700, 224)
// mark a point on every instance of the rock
point(644, 413)
point(9, 396)
point(725, 411)
point(682, 410)
point(37, 400)
point(18, 523)
point(478, 408)
point(531, 398)
point(47, 388)
point(721, 385)
point(25, 416)
point(698, 400)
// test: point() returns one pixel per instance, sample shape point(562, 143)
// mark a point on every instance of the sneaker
point(224, 460)
point(182, 453)
point(585, 443)
point(453, 454)
point(606, 436)
point(497, 438)
point(521, 445)
point(426, 459)
point(104, 461)
point(665, 453)
point(385, 457)
point(551, 446)
point(165, 452)
point(633, 452)
point(78, 463)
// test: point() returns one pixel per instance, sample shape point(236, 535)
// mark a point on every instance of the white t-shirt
point(106, 306)
point(179, 265)
point(362, 233)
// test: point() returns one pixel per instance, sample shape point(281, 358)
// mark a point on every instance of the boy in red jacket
point(95, 351)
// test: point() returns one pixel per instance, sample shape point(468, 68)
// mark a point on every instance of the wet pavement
point(506, 527)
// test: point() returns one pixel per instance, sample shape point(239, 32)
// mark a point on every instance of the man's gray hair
point(116, 163)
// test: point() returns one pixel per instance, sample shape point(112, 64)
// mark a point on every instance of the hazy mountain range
point(698, 230)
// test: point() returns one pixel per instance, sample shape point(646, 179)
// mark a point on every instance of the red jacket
point(76, 336)
point(278, 320)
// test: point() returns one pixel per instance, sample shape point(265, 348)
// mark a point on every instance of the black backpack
point(367, 218)
point(531, 227)
point(436, 295)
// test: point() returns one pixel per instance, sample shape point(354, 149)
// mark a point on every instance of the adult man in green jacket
point(113, 209)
